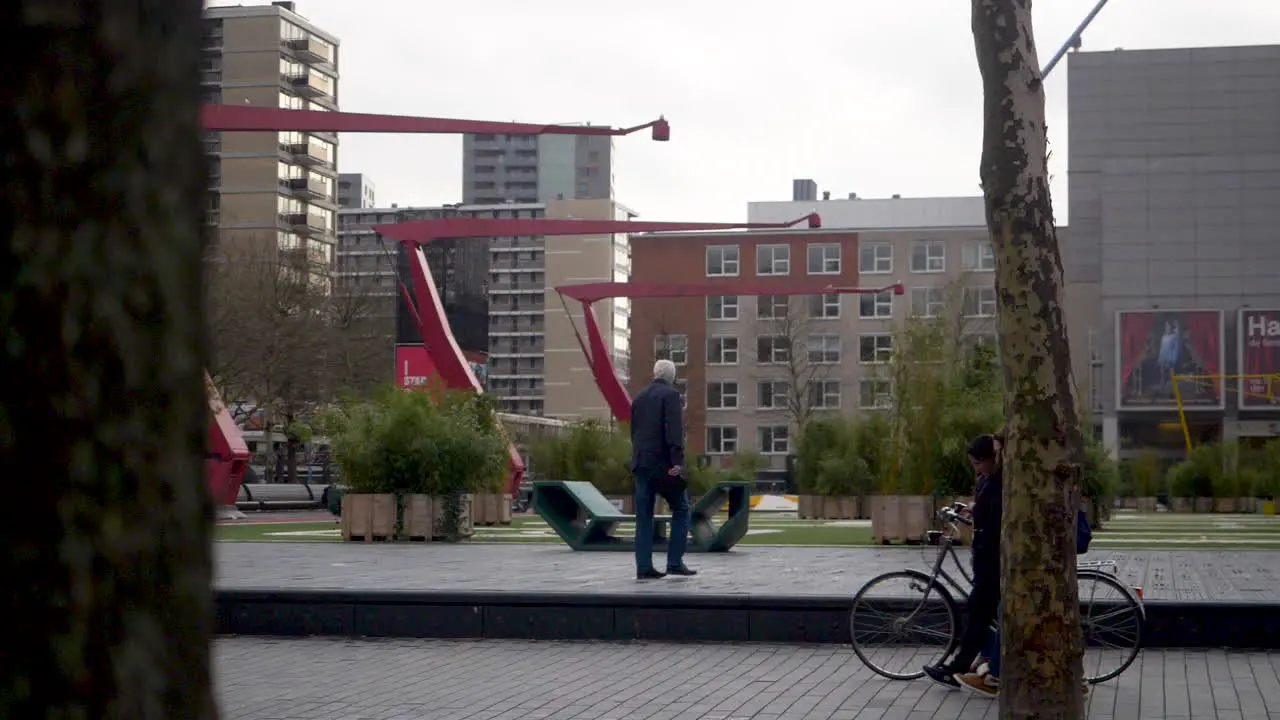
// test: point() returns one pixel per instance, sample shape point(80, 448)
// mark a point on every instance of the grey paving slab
point(330, 679)
point(1239, 575)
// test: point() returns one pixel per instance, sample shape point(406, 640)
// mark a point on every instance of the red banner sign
point(415, 369)
point(1259, 359)
point(1154, 346)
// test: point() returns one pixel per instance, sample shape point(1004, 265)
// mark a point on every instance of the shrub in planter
point(1148, 474)
point(437, 443)
point(589, 452)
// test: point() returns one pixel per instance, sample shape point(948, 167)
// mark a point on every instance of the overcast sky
point(862, 96)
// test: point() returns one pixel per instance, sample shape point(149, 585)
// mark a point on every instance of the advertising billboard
point(1259, 351)
point(414, 367)
point(1153, 345)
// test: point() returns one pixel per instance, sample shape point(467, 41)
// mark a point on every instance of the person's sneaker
point(682, 570)
point(942, 674)
point(984, 685)
point(649, 575)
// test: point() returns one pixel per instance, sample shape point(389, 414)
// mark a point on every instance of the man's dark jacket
point(657, 429)
point(988, 514)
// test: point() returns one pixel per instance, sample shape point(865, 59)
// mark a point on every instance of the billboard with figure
point(1154, 345)
point(1259, 355)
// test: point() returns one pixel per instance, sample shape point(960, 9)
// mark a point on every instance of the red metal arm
point(248, 118)
point(228, 456)
point(600, 360)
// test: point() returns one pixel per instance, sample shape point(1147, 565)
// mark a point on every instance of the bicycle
point(937, 634)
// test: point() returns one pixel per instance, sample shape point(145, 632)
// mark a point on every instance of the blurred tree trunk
point(1041, 650)
point(105, 521)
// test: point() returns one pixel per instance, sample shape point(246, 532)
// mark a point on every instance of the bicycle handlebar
point(952, 514)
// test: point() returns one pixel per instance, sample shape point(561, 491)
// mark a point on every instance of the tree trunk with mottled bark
point(1041, 640)
point(106, 521)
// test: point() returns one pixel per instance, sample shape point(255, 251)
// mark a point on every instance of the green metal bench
point(586, 520)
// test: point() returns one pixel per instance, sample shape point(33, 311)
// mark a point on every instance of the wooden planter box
point(368, 517)
point(1202, 505)
point(1224, 505)
point(491, 509)
point(901, 518)
point(810, 506)
point(825, 507)
point(1247, 505)
point(1146, 504)
point(419, 518)
point(1129, 503)
point(1181, 505)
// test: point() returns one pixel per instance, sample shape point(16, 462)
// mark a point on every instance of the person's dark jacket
point(988, 514)
point(657, 429)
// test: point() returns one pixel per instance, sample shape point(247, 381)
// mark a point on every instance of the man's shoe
point(983, 685)
point(650, 574)
point(942, 674)
point(682, 570)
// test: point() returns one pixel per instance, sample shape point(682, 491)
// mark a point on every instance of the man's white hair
point(664, 370)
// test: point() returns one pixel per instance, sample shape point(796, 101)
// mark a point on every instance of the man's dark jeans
point(984, 603)
point(672, 489)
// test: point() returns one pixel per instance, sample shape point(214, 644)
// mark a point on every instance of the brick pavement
point(330, 679)
point(1241, 575)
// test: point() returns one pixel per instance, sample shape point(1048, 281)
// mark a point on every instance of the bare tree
point(108, 549)
point(1041, 638)
point(796, 351)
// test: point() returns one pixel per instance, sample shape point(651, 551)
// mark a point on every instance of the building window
point(824, 259)
point(880, 305)
point(875, 348)
point(774, 439)
point(773, 349)
point(974, 340)
point(772, 394)
point(773, 260)
point(683, 387)
point(772, 307)
point(722, 261)
point(671, 347)
point(927, 302)
point(722, 440)
point(928, 256)
point(722, 395)
point(824, 307)
point(979, 257)
point(874, 394)
point(980, 302)
point(824, 349)
point(722, 307)
point(875, 258)
point(722, 350)
point(824, 394)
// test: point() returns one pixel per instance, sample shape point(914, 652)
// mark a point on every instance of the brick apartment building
point(732, 352)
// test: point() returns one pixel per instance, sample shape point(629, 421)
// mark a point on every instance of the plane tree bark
point(1041, 640)
point(106, 521)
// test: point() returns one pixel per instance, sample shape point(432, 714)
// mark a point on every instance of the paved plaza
point(332, 679)
point(1188, 575)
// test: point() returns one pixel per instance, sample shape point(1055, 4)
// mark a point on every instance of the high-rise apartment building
point(498, 296)
point(500, 168)
point(273, 188)
point(355, 190)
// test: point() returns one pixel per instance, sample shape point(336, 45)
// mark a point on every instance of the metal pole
point(1074, 40)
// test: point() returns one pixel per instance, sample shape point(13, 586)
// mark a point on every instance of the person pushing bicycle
point(984, 600)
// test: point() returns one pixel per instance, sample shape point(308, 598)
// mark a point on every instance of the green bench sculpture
point(586, 520)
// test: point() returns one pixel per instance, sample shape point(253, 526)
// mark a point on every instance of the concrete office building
point(731, 360)
point(268, 187)
point(804, 189)
point(499, 299)
point(1174, 172)
point(499, 168)
point(355, 190)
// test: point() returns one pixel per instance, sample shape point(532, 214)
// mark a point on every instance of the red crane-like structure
point(228, 455)
point(428, 313)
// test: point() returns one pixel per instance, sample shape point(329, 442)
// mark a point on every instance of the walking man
point(657, 461)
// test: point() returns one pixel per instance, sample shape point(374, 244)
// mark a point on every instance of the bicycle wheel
point(902, 621)
point(1112, 619)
